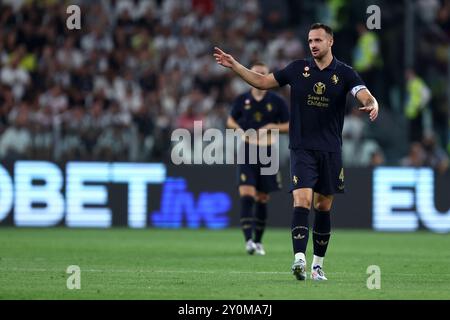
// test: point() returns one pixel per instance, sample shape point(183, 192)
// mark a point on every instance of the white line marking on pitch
point(135, 271)
point(186, 271)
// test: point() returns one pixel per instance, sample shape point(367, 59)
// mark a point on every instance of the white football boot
point(260, 249)
point(318, 274)
point(299, 269)
point(250, 247)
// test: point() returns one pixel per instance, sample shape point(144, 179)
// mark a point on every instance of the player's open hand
point(222, 58)
point(371, 110)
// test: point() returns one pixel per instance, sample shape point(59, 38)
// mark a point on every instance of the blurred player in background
point(257, 109)
point(319, 86)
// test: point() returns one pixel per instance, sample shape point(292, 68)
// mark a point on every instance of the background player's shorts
point(250, 174)
point(320, 170)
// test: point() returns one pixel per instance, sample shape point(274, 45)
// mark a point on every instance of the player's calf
point(247, 203)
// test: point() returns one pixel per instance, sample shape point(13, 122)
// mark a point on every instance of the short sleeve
point(284, 76)
point(355, 83)
point(236, 109)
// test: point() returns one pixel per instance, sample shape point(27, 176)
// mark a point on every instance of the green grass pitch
point(208, 264)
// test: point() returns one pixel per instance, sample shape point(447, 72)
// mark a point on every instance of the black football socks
point(247, 216)
point(300, 229)
point(321, 232)
point(260, 220)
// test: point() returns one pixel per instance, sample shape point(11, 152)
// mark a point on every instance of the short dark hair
point(323, 26)
point(258, 63)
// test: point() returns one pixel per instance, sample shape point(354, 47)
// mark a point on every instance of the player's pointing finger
point(218, 50)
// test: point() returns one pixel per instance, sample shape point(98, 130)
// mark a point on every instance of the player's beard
point(321, 54)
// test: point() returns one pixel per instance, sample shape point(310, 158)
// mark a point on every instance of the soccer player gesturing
point(257, 109)
point(319, 86)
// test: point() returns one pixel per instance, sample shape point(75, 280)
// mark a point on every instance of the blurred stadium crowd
point(137, 69)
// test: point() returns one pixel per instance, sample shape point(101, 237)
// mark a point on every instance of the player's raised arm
point(370, 104)
point(254, 79)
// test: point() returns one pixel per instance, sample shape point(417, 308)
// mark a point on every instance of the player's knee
point(323, 205)
point(302, 201)
point(262, 197)
point(247, 191)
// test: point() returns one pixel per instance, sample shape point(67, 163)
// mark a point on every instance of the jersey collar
point(331, 66)
point(251, 97)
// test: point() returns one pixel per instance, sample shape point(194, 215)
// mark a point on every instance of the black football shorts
point(319, 170)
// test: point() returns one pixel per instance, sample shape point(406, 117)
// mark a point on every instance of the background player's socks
point(260, 220)
point(300, 229)
point(321, 232)
point(247, 216)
